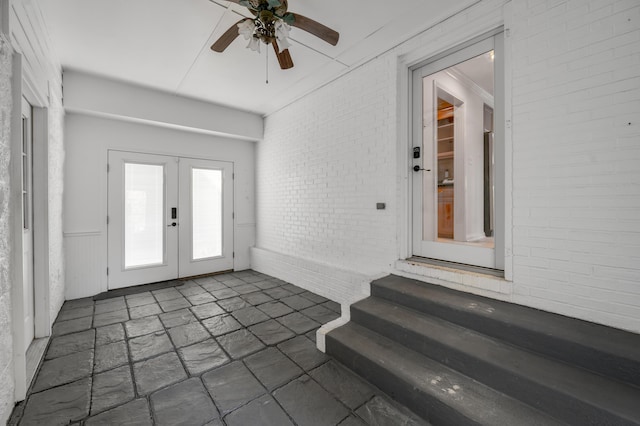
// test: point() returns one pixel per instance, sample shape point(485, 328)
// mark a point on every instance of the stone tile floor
point(233, 349)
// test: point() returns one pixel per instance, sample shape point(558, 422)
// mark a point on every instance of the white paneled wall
point(574, 220)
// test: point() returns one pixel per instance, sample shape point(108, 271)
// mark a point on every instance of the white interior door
point(27, 222)
point(455, 143)
point(169, 217)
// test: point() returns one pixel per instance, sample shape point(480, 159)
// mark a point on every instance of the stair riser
point(619, 368)
point(419, 402)
point(526, 389)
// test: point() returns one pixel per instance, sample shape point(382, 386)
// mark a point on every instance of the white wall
point(572, 70)
point(6, 340)
point(24, 33)
point(89, 137)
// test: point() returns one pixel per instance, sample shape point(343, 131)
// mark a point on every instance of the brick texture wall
point(575, 94)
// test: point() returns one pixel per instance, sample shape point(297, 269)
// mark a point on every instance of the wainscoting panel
point(86, 263)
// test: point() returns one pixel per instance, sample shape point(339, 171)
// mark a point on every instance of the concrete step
point(607, 351)
point(432, 390)
point(572, 394)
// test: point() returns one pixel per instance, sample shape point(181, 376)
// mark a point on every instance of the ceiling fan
point(271, 26)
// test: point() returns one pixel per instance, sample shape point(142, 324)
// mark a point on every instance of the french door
point(458, 156)
point(168, 217)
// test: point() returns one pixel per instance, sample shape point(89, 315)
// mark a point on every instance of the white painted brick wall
point(576, 147)
point(329, 157)
point(6, 340)
point(323, 165)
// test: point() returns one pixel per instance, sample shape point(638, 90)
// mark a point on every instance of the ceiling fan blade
point(284, 57)
point(227, 38)
point(316, 28)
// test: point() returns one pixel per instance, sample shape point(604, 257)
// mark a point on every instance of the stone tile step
point(566, 392)
point(605, 350)
point(432, 390)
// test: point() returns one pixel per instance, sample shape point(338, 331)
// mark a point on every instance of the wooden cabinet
point(445, 211)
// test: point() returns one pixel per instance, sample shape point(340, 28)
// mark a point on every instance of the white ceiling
point(164, 44)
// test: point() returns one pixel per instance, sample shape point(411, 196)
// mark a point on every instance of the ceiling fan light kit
point(271, 25)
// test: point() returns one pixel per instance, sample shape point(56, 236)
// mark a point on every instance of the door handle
point(172, 224)
point(418, 168)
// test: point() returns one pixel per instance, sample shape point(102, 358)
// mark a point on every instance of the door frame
point(410, 61)
point(22, 86)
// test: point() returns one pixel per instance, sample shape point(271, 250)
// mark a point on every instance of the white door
point(458, 171)
point(169, 218)
point(27, 222)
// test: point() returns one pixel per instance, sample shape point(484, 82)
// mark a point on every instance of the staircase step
point(570, 393)
point(611, 352)
point(432, 390)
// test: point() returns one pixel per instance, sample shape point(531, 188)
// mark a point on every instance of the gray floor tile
point(201, 299)
point(303, 352)
point(71, 343)
point(190, 289)
point(174, 304)
point(275, 309)
point(318, 408)
point(233, 304)
point(267, 284)
point(166, 294)
point(221, 324)
point(71, 326)
point(58, 406)
point(271, 332)
point(69, 314)
point(64, 370)
point(320, 313)
point(149, 345)
point(352, 421)
point(207, 310)
point(297, 302)
point(272, 368)
point(110, 305)
point(257, 298)
point(232, 282)
point(110, 300)
point(381, 412)
point(137, 300)
point(212, 285)
point(335, 307)
point(188, 334)
point(77, 303)
point(144, 311)
point(203, 356)
point(110, 356)
point(264, 411)
point(312, 335)
point(293, 288)
point(224, 293)
point(156, 373)
point(134, 413)
point(176, 318)
point(343, 383)
point(299, 323)
point(278, 292)
point(232, 386)
point(240, 343)
point(314, 297)
point(110, 318)
point(249, 316)
point(246, 288)
point(109, 334)
point(186, 403)
point(142, 326)
point(250, 279)
point(110, 389)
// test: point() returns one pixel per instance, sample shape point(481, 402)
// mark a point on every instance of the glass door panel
point(206, 200)
point(144, 215)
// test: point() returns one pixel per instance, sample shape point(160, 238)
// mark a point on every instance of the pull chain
point(267, 66)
